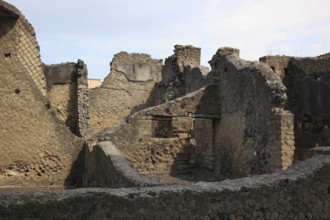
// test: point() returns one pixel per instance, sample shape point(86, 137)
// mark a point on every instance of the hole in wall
point(47, 105)
point(17, 91)
point(7, 55)
point(286, 71)
point(273, 68)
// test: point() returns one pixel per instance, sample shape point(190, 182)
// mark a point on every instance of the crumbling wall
point(301, 192)
point(251, 94)
point(36, 148)
point(62, 92)
point(68, 92)
point(206, 123)
point(278, 64)
point(125, 90)
point(181, 74)
point(83, 125)
point(18, 41)
point(156, 140)
point(236, 126)
point(106, 166)
point(307, 82)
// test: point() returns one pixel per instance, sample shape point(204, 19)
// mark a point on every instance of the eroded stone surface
point(301, 192)
point(36, 146)
point(161, 119)
point(307, 82)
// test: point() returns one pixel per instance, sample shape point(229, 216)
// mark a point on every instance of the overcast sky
point(94, 31)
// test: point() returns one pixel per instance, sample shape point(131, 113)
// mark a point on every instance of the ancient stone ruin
point(161, 140)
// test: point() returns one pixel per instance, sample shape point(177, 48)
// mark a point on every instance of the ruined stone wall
point(278, 64)
point(107, 167)
point(204, 134)
point(301, 192)
point(307, 82)
point(181, 74)
point(18, 41)
point(62, 92)
point(125, 90)
point(83, 126)
point(308, 86)
point(137, 82)
point(68, 92)
point(206, 123)
point(283, 136)
point(183, 56)
point(158, 136)
point(250, 95)
point(36, 147)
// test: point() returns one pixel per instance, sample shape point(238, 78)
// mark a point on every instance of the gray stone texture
point(302, 192)
point(181, 74)
point(307, 83)
point(106, 166)
point(161, 119)
point(250, 96)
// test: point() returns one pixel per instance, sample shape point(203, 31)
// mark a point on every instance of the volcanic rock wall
point(181, 74)
point(125, 90)
point(234, 126)
point(154, 139)
point(246, 135)
point(302, 192)
point(36, 147)
point(18, 41)
point(307, 81)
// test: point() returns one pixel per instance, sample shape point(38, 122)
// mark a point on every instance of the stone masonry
point(307, 83)
point(250, 96)
point(18, 42)
point(150, 124)
point(124, 91)
point(300, 193)
point(36, 146)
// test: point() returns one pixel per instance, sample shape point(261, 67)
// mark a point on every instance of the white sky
point(94, 31)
